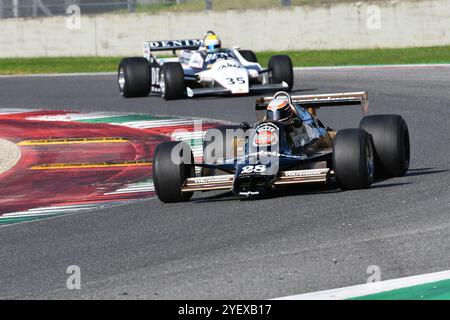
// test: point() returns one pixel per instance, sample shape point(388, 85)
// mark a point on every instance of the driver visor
point(212, 47)
point(282, 114)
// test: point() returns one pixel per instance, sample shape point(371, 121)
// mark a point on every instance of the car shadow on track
point(224, 196)
point(423, 171)
point(282, 192)
point(313, 189)
point(388, 185)
point(219, 97)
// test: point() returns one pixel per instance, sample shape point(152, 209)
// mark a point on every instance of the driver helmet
point(280, 110)
point(212, 43)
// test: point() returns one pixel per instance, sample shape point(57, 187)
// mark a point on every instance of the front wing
point(253, 89)
point(225, 182)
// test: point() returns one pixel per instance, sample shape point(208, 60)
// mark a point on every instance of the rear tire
point(168, 176)
point(280, 68)
point(390, 136)
point(248, 55)
point(353, 159)
point(172, 81)
point(134, 77)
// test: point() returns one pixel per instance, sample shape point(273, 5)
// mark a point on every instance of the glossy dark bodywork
point(298, 145)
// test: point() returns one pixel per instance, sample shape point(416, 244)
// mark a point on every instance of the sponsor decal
point(249, 193)
point(297, 174)
point(229, 65)
point(265, 154)
point(218, 55)
point(266, 134)
point(304, 173)
point(210, 179)
point(265, 138)
point(155, 78)
point(175, 44)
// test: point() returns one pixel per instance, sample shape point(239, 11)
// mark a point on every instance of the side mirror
point(297, 123)
point(245, 126)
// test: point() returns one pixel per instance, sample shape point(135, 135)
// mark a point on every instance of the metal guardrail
point(39, 8)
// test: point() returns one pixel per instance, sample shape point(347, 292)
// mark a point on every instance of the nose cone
point(254, 180)
point(252, 186)
point(231, 75)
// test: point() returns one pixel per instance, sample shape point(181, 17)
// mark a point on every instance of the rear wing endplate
point(317, 101)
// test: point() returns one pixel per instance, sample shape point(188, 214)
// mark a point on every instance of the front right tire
point(172, 165)
point(281, 70)
point(134, 77)
point(248, 55)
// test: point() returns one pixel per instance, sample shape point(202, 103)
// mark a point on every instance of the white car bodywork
point(222, 72)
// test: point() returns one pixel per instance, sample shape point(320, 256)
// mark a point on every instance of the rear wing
point(170, 45)
point(314, 102)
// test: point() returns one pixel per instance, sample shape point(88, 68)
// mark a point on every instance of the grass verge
point(363, 56)
point(300, 59)
point(222, 5)
point(17, 66)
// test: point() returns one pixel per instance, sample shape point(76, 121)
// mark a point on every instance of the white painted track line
point(50, 75)
point(376, 67)
point(370, 288)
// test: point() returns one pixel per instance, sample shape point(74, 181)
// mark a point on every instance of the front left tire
point(353, 159)
point(390, 136)
point(172, 83)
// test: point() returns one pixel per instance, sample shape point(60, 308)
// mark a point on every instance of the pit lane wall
point(387, 24)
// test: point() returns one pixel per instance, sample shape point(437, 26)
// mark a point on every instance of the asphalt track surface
point(219, 247)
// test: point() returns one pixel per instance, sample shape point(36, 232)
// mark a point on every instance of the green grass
point(299, 58)
point(221, 5)
point(10, 66)
point(364, 57)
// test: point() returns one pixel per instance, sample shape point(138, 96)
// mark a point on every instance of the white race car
point(202, 68)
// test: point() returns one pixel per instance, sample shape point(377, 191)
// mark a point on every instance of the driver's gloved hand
point(245, 125)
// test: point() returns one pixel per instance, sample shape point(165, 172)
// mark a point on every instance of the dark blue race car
point(288, 145)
